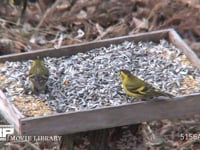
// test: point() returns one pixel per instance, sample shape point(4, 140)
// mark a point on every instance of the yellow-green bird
point(22, 3)
point(38, 76)
point(135, 87)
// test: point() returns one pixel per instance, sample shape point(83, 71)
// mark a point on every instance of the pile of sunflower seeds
point(91, 80)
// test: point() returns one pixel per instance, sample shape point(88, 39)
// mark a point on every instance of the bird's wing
point(140, 90)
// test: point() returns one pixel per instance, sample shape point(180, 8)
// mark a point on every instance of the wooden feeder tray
point(73, 122)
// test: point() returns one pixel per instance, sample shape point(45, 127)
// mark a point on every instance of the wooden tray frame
point(67, 123)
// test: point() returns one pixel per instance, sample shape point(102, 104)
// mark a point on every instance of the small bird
point(23, 4)
point(135, 87)
point(14, 3)
point(38, 75)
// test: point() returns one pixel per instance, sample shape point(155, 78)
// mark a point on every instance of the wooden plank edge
point(66, 123)
point(154, 35)
point(10, 112)
point(177, 41)
point(82, 47)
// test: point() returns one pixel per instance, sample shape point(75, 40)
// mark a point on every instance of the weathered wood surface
point(177, 41)
point(98, 139)
point(10, 112)
point(68, 123)
point(73, 49)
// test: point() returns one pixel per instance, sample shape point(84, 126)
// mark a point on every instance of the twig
point(46, 14)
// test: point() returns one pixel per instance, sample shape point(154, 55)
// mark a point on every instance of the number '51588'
point(189, 136)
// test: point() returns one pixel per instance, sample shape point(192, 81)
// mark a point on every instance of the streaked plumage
point(135, 87)
point(38, 76)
